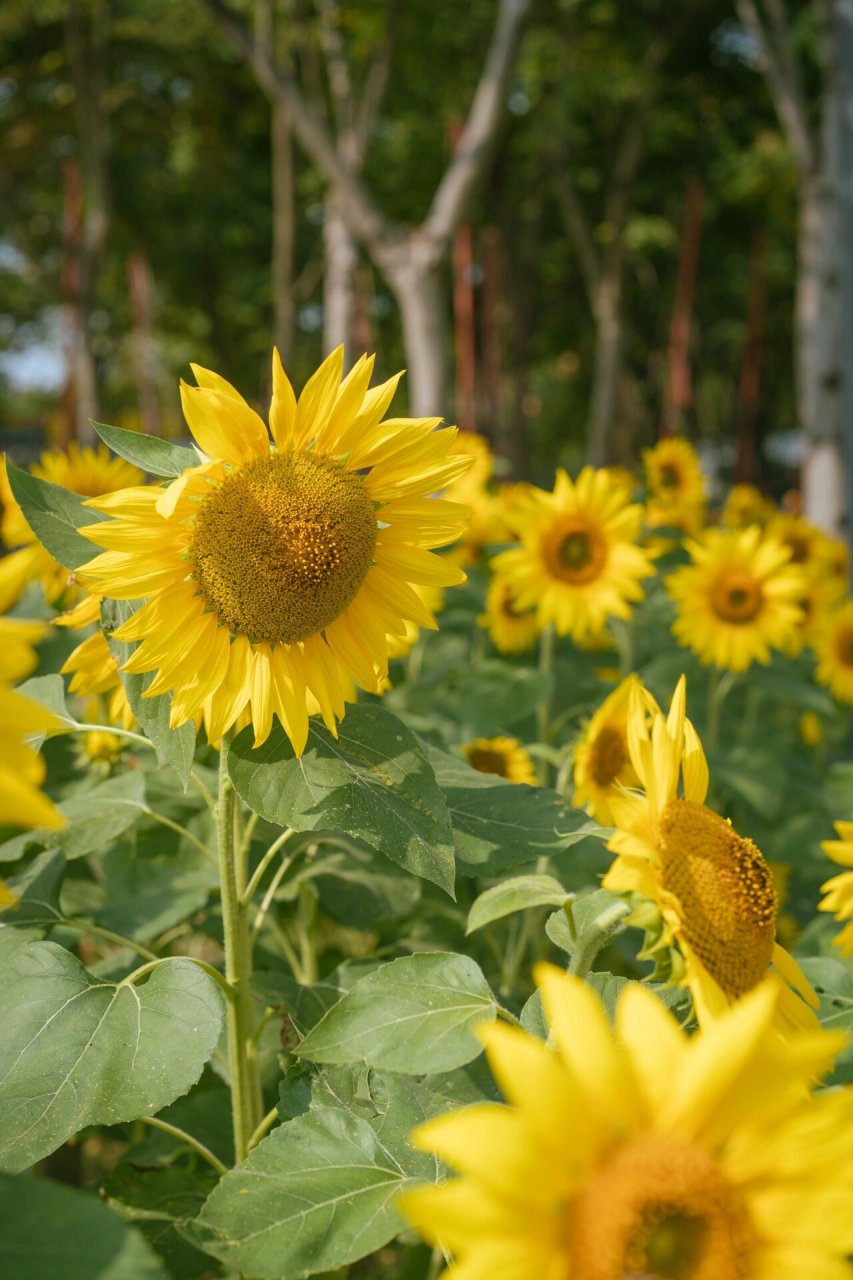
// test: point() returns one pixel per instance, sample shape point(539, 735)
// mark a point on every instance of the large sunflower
point(578, 563)
point(839, 890)
point(739, 598)
point(602, 759)
point(713, 888)
point(641, 1153)
point(88, 472)
point(271, 572)
point(833, 645)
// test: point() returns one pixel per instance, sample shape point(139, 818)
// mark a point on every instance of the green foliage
point(54, 514)
point(150, 453)
point(77, 1051)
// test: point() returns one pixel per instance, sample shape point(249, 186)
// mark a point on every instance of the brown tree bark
point(678, 394)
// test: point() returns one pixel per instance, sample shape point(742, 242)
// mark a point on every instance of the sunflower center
point(282, 546)
point(487, 761)
point(608, 756)
point(844, 646)
point(660, 1210)
point(576, 554)
point(737, 598)
point(668, 477)
point(725, 891)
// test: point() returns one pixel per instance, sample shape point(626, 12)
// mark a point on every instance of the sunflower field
point(409, 874)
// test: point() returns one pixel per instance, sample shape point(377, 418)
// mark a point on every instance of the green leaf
point(358, 887)
point(174, 746)
point(48, 1230)
point(48, 692)
point(414, 1015)
point(37, 889)
point(517, 894)
point(374, 782)
point(76, 1051)
point(318, 1193)
point(152, 883)
point(54, 514)
point(498, 824)
point(96, 817)
point(151, 454)
point(159, 1201)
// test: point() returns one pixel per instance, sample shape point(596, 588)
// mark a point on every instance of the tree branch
point(479, 135)
point(783, 77)
point(578, 230)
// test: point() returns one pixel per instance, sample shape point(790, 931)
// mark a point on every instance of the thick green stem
point(246, 1101)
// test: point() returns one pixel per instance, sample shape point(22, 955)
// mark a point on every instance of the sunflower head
point(602, 765)
point(674, 475)
point(738, 599)
point(839, 890)
point(833, 645)
point(512, 630)
point(639, 1151)
point(504, 756)
point(275, 573)
point(746, 505)
point(578, 563)
point(713, 887)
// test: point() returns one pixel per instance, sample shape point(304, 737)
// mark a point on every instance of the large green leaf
point(373, 781)
point(318, 1193)
point(174, 746)
point(49, 1231)
point(95, 818)
point(54, 514)
point(499, 824)
point(150, 453)
point(48, 691)
point(159, 1201)
point(77, 1051)
point(413, 1015)
point(37, 890)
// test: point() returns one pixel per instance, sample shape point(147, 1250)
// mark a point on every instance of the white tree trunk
point(607, 366)
point(341, 257)
point(416, 283)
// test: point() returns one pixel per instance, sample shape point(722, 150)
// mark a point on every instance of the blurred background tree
point(575, 221)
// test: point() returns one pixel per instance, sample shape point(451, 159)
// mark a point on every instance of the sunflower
point(746, 505)
point(275, 572)
point(504, 756)
point(602, 760)
point(839, 890)
point(713, 888)
point(674, 475)
point(400, 646)
point(833, 646)
point(641, 1151)
point(22, 803)
point(578, 562)
point(87, 472)
point(738, 598)
point(512, 630)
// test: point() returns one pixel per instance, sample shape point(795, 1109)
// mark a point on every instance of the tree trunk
point(283, 229)
point(607, 366)
point(818, 343)
point(417, 284)
point(339, 284)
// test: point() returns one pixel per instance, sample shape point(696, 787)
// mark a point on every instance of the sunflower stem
point(246, 1101)
point(595, 937)
point(543, 709)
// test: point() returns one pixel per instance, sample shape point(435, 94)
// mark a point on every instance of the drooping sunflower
point(712, 887)
point(504, 756)
point(272, 572)
point(602, 759)
point(22, 802)
point(87, 472)
point(512, 630)
point(578, 563)
point(839, 890)
point(833, 646)
point(738, 598)
point(641, 1153)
